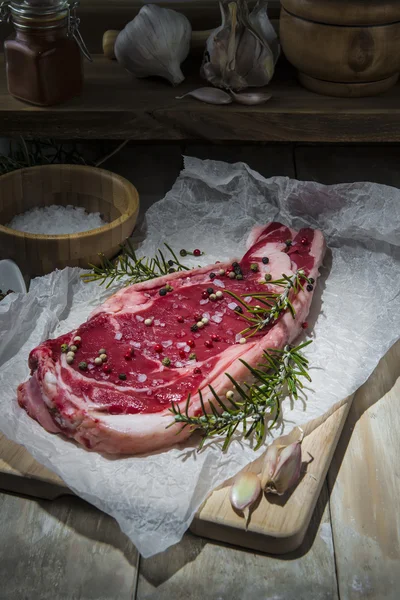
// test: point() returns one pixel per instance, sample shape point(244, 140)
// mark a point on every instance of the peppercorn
point(192, 356)
point(183, 252)
point(158, 348)
point(267, 277)
point(219, 294)
point(215, 338)
point(213, 297)
point(83, 366)
point(73, 348)
point(98, 361)
point(288, 243)
point(182, 353)
point(194, 327)
point(235, 264)
point(197, 371)
point(70, 360)
point(231, 275)
point(180, 319)
point(254, 267)
point(64, 348)
point(311, 280)
point(163, 292)
point(208, 344)
point(171, 263)
point(212, 275)
point(166, 361)
point(171, 270)
point(239, 310)
point(107, 369)
point(304, 325)
point(210, 290)
point(265, 260)
point(239, 276)
point(204, 294)
point(169, 288)
point(197, 252)
point(122, 376)
point(190, 343)
point(310, 287)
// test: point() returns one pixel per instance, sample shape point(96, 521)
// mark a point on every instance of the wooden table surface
point(66, 549)
point(116, 106)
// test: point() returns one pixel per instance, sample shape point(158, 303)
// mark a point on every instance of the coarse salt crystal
point(204, 301)
point(90, 367)
point(162, 324)
point(181, 344)
point(196, 335)
point(157, 322)
point(135, 344)
point(232, 305)
point(118, 335)
point(216, 319)
point(139, 318)
point(186, 348)
point(56, 220)
point(238, 337)
point(248, 299)
point(167, 343)
point(218, 283)
point(179, 364)
point(207, 315)
point(142, 377)
point(175, 305)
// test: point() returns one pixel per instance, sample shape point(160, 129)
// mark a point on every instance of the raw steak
point(121, 406)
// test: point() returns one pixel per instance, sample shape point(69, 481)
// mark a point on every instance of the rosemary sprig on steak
point(257, 407)
point(135, 269)
point(273, 304)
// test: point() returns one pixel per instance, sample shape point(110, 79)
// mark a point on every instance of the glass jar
point(43, 55)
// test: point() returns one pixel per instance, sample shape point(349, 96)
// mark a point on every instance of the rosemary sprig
point(127, 264)
point(256, 404)
point(273, 304)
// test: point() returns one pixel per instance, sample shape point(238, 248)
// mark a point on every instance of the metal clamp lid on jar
point(44, 14)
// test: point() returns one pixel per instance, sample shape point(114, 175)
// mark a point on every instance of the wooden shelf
point(116, 106)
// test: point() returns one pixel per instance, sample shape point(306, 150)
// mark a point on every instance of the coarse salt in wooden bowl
point(96, 190)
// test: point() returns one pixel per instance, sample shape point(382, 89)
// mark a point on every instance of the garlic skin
point(156, 42)
point(237, 53)
point(245, 490)
point(282, 467)
point(209, 95)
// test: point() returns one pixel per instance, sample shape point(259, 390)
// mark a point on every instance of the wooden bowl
point(343, 47)
point(94, 189)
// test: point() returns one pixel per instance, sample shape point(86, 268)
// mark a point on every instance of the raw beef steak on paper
point(154, 353)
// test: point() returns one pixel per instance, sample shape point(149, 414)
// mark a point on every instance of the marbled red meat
point(122, 405)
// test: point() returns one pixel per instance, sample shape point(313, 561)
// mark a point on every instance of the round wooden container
point(94, 189)
point(343, 47)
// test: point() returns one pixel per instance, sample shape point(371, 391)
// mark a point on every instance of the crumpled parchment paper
point(213, 206)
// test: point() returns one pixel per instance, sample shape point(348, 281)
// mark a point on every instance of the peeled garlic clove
point(251, 98)
point(156, 42)
point(286, 472)
point(244, 492)
point(209, 95)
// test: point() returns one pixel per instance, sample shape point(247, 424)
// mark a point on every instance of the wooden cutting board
point(276, 526)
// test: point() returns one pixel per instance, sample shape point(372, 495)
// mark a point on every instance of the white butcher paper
point(213, 206)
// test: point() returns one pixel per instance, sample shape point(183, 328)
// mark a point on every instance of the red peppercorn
point(304, 325)
point(190, 343)
point(197, 371)
point(208, 344)
point(107, 369)
point(197, 317)
point(204, 294)
point(158, 348)
point(180, 319)
point(215, 338)
point(197, 252)
point(304, 241)
point(227, 271)
point(182, 353)
point(128, 355)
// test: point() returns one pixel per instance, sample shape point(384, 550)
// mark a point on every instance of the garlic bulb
point(237, 53)
point(156, 42)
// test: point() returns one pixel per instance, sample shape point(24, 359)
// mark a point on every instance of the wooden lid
point(345, 12)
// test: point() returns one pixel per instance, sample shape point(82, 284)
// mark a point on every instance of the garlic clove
point(245, 490)
point(209, 95)
point(156, 42)
point(250, 98)
point(282, 467)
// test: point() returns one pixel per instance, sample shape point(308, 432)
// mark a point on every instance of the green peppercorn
point(83, 366)
point(166, 361)
point(254, 267)
point(239, 276)
point(192, 356)
point(183, 252)
point(268, 277)
point(169, 288)
point(64, 348)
